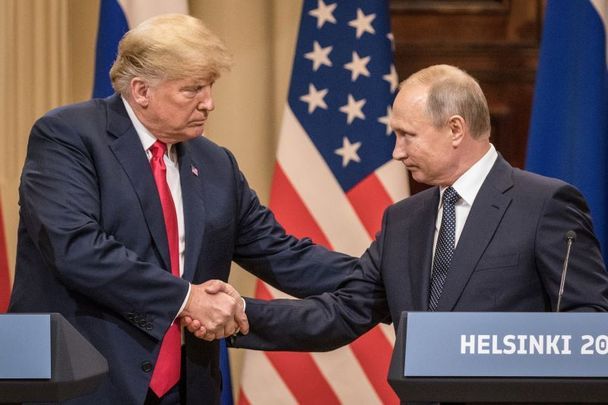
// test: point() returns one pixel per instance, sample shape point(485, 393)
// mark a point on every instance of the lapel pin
point(194, 170)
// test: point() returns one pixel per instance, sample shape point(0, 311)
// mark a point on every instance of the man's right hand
point(214, 310)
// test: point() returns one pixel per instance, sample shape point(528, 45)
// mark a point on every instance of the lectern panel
point(25, 346)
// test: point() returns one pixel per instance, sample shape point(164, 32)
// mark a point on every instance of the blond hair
point(167, 47)
point(453, 91)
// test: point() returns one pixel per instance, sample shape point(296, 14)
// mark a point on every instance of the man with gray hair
point(130, 218)
point(485, 237)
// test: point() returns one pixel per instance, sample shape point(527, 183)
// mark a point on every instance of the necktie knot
point(158, 149)
point(450, 196)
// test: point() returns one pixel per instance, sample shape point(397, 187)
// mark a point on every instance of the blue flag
point(569, 129)
point(112, 26)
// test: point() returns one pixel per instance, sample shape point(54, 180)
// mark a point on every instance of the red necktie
point(167, 371)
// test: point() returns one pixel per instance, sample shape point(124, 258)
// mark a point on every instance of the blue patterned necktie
point(445, 246)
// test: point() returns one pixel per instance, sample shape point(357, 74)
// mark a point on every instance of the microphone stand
point(570, 236)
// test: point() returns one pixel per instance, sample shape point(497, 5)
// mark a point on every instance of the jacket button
point(146, 366)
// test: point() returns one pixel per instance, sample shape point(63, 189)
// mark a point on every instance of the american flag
point(333, 179)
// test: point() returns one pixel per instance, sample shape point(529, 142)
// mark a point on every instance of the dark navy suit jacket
point(92, 243)
point(508, 258)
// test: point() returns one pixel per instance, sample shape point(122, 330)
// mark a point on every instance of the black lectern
point(77, 368)
point(512, 389)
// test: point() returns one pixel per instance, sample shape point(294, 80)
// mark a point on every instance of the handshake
point(214, 310)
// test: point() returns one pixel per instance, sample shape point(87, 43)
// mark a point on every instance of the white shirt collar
point(145, 136)
point(468, 185)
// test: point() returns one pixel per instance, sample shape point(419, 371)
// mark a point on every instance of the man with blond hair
point(485, 237)
point(129, 220)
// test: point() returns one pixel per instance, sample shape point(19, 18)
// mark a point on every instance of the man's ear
point(457, 128)
point(140, 91)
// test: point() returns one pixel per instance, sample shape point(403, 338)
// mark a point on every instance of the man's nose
point(399, 151)
point(206, 101)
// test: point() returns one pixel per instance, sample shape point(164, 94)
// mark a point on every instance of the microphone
point(570, 237)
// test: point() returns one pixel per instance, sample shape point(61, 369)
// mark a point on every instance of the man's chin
point(194, 131)
point(417, 175)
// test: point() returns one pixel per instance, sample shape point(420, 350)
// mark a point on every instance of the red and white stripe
point(308, 201)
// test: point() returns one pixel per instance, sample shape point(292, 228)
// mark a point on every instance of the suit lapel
point(420, 234)
point(131, 156)
point(484, 218)
point(192, 179)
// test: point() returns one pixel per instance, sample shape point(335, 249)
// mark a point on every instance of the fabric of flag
point(112, 26)
point(115, 19)
point(333, 179)
point(5, 280)
point(569, 128)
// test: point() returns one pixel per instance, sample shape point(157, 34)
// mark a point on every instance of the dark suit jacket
point(508, 258)
point(92, 243)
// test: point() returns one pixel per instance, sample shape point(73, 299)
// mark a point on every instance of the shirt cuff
point(181, 309)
